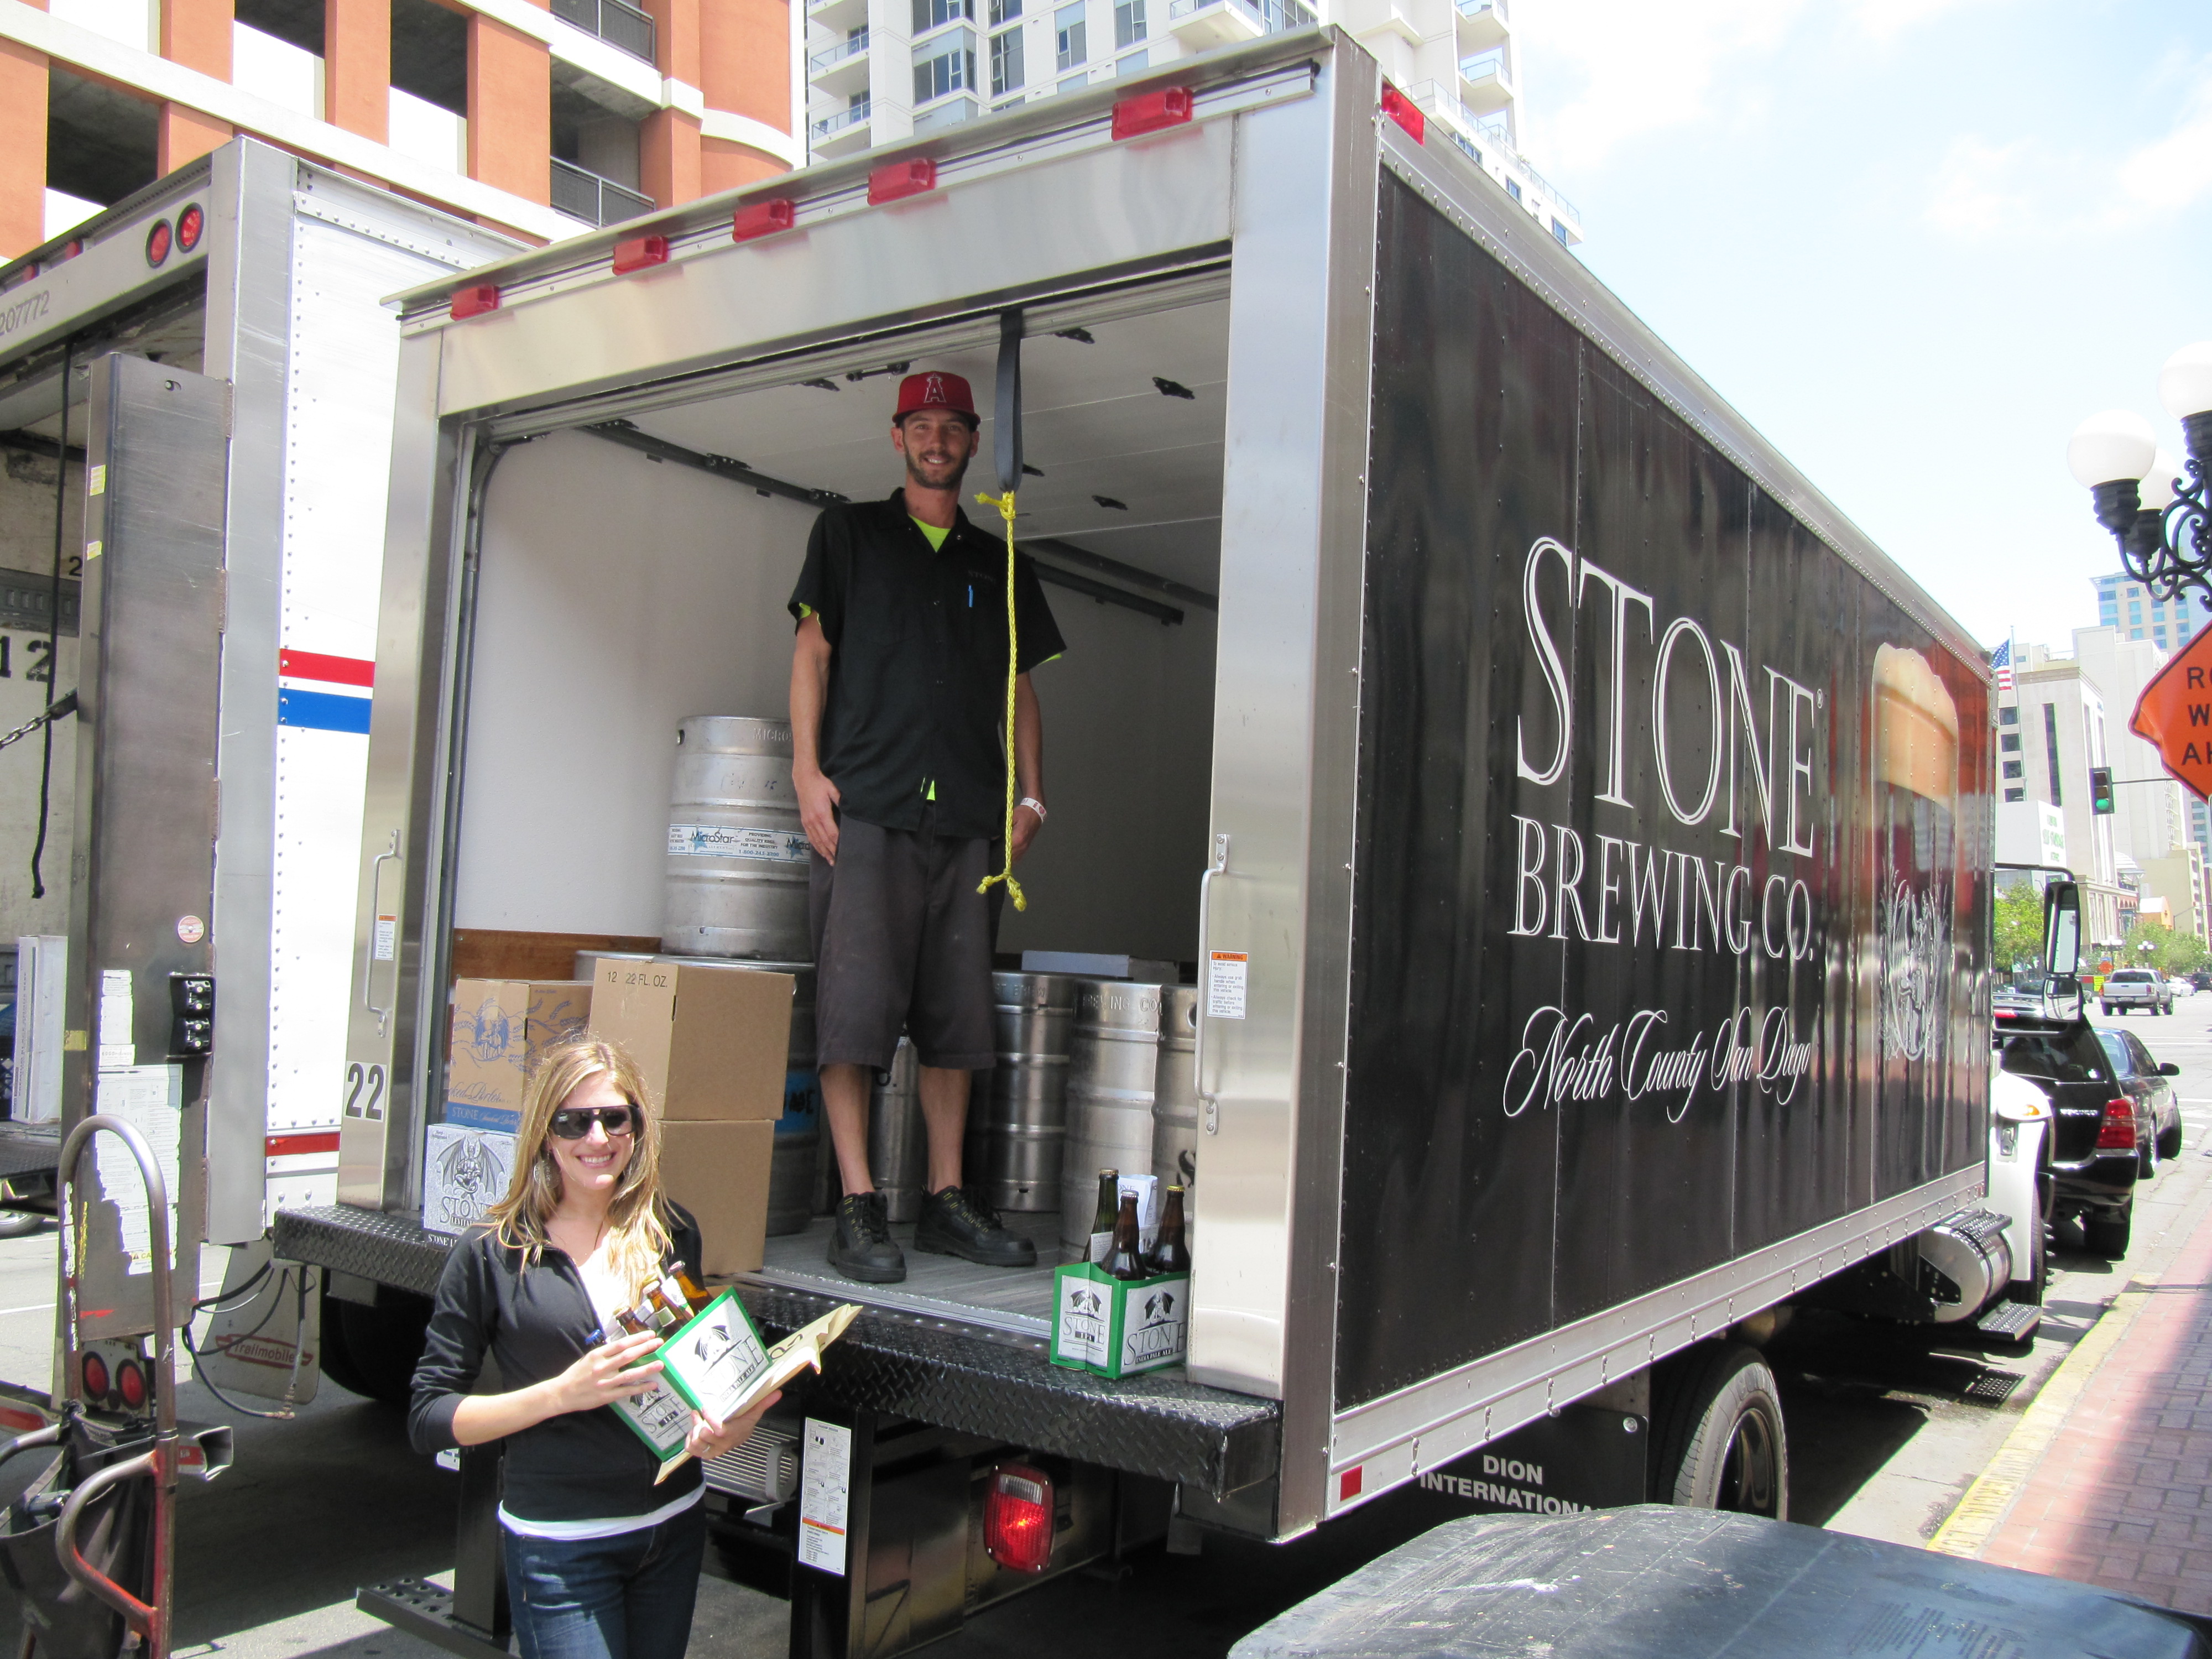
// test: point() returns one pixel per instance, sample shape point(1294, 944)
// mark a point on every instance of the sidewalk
point(2107, 1480)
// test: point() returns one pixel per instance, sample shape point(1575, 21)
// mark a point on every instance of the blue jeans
point(626, 1597)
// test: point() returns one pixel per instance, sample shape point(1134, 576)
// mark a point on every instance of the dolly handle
point(135, 1614)
point(49, 1435)
point(1211, 1118)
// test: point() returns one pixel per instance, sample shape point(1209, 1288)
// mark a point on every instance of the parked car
point(2148, 1084)
point(2202, 979)
point(2095, 1156)
point(2136, 988)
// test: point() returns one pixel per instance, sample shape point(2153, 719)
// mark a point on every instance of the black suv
point(2097, 1145)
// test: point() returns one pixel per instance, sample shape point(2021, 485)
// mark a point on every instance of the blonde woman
point(601, 1563)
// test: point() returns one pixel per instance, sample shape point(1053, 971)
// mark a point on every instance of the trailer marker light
point(131, 1383)
point(95, 1374)
point(1151, 111)
point(1406, 113)
point(1348, 1483)
point(158, 241)
point(638, 253)
point(475, 301)
point(1018, 1518)
point(2117, 1132)
point(762, 219)
point(900, 180)
point(190, 223)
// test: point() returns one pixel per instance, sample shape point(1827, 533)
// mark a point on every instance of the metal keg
point(737, 856)
point(898, 1144)
point(1016, 1136)
point(1112, 1061)
point(1175, 1098)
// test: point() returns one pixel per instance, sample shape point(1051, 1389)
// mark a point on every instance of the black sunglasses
point(574, 1122)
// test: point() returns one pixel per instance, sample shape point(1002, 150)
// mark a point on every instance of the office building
point(2127, 606)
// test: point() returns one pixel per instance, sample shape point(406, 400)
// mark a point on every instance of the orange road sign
point(2175, 713)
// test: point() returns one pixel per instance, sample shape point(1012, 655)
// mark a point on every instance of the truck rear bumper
point(933, 1371)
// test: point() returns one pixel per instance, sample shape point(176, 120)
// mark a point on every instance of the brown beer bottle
point(633, 1323)
point(1170, 1254)
point(1101, 1219)
point(1125, 1256)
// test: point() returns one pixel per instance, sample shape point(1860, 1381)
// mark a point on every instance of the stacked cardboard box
point(501, 1028)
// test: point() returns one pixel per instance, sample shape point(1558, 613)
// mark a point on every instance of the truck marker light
point(639, 253)
point(1348, 1483)
point(158, 242)
point(190, 225)
point(900, 179)
point(1018, 1518)
point(2117, 1132)
point(131, 1383)
point(475, 301)
point(1151, 111)
point(758, 219)
point(93, 1373)
point(1406, 113)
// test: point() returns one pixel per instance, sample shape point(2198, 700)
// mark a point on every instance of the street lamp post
point(2163, 526)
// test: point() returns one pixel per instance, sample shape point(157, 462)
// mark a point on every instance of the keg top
point(1033, 990)
point(743, 734)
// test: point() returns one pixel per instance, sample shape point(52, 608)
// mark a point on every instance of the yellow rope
point(1005, 505)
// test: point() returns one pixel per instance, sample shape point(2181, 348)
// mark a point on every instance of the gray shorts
point(902, 943)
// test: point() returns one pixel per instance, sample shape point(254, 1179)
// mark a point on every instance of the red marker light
point(1018, 1518)
point(1151, 111)
point(475, 301)
point(2117, 1132)
point(71, 250)
point(762, 219)
point(158, 242)
point(640, 252)
point(1405, 111)
point(1348, 1483)
point(191, 223)
point(131, 1383)
point(94, 1373)
point(900, 179)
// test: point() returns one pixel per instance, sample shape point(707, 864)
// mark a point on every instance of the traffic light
point(2100, 791)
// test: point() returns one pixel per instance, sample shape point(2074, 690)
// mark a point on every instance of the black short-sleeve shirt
point(918, 664)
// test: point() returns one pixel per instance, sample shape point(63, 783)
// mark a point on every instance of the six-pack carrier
point(1577, 834)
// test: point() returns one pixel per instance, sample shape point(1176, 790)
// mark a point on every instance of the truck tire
point(1719, 1439)
point(372, 1352)
point(2107, 1234)
point(2108, 1010)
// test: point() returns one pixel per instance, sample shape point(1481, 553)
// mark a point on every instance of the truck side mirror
point(2062, 929)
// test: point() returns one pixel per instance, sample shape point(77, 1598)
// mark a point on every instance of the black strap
point(1007, 410)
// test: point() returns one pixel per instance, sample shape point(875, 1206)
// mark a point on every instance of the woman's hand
point(709, 1440)
point(604, 1374)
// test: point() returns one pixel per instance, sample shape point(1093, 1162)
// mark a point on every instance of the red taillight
point(1150, 111)
point(475, 301)
point(638, 253)
point(2117, 1132)
point(1018, 1518)
point(1405, 111)
point(762, 219)
point(900, 180)
point(190, 223)
point(131, 1383)
point(94, 1372)
point(158, 242)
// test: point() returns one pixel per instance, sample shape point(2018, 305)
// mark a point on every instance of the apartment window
point(2014, 769)
point(1513, 188)
point(2008, 716)
point(2161, 638)
point(950, 68)
point(1070, 46)
point(1128, 23)
point(935, 13)
point(2050, 745)
point(1559, 231)
point(2015, 794)
point(2010, 741)
point(1005, 61)
point(1003, 12)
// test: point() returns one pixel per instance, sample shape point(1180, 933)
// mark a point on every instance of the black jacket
point(580, 1466)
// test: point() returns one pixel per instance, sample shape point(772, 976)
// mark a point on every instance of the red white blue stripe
point(324, 693)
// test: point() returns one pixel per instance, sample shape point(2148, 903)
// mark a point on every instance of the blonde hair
point(637, 1239)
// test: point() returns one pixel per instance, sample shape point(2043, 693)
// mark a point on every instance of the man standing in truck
point(898, 697)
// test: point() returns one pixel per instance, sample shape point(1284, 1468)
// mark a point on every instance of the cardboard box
point(501, 1028)
point(464, 1173)
point(719, 1171)
point(1118, 1328)
point(714, 1043)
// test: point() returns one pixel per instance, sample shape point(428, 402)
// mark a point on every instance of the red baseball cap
point(935, 390)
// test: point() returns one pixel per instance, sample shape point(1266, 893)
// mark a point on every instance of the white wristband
point(1035, 805)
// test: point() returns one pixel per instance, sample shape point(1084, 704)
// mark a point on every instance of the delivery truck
point(1576, 831)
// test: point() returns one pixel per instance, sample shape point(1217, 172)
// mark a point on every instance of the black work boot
point(861, 1246)
point(955, 1221)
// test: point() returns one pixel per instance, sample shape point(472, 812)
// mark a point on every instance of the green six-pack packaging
point(1116, 1326)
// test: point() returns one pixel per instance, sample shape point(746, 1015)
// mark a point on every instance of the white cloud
point(1885, 20)
point(1982, 189)
point(2177, 169)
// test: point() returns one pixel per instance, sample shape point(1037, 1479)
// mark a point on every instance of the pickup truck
point(2136, 988)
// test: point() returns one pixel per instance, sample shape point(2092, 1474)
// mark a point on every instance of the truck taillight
point(94, 1374)
point(130, 1384)
point(475, 301)
point(762, 219)
point(190, 223)
point(900, 179)
point(638, 253)
point(1406, 113)
point(2117, 1132)
point(1151, 111)
point(1018, 1518)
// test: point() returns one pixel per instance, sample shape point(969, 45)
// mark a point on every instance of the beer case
point(713, 1364)
point(1118, 1328)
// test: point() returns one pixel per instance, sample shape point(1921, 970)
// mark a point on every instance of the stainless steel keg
point(737, 856)
point(1016, 1133)
point(899, 1144)
point(1113, 1061)
point(1175, 1098)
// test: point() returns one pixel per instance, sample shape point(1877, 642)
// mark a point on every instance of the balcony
point(1484, 85)
point(1481, 25)
point(1488, 143)
point(614, 21)
point(594, 200)
point(842, 68)
point(839, 17)
point(1201, 25)
point(844, 133)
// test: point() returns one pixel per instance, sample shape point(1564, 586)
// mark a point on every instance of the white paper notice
point(825, 1473)
point(1224, 984)
point(150, 1098)
point(116, 1049)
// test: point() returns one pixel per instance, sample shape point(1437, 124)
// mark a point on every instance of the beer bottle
point(1101, 1219)
point(1125, 1255)
point(1170, 1254)
point(633, 1322)
point(667, 1316)
point(693, 1291)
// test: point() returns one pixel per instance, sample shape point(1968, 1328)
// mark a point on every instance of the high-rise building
point(2127, 606)
point(2048, 739)
point(878, 71)
point(532, 118)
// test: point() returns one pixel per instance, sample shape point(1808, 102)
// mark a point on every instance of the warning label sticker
point(1224, 984)
point(737, 841)
point(825, 1480)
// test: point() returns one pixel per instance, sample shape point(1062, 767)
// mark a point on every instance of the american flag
point(2002, 663)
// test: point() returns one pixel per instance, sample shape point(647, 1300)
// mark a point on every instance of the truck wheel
point(2107, 1233)
point(1720, 1444)
point(372, 1352)
point(2108, 1010)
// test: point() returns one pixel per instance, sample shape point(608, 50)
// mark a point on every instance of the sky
point(1915, 242)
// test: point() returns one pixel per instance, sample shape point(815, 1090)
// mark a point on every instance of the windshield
point(2056, 1056)
point(2116, 1050)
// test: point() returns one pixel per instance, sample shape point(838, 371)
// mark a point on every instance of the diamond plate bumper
point(933, 1371)
point(29, 1151)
